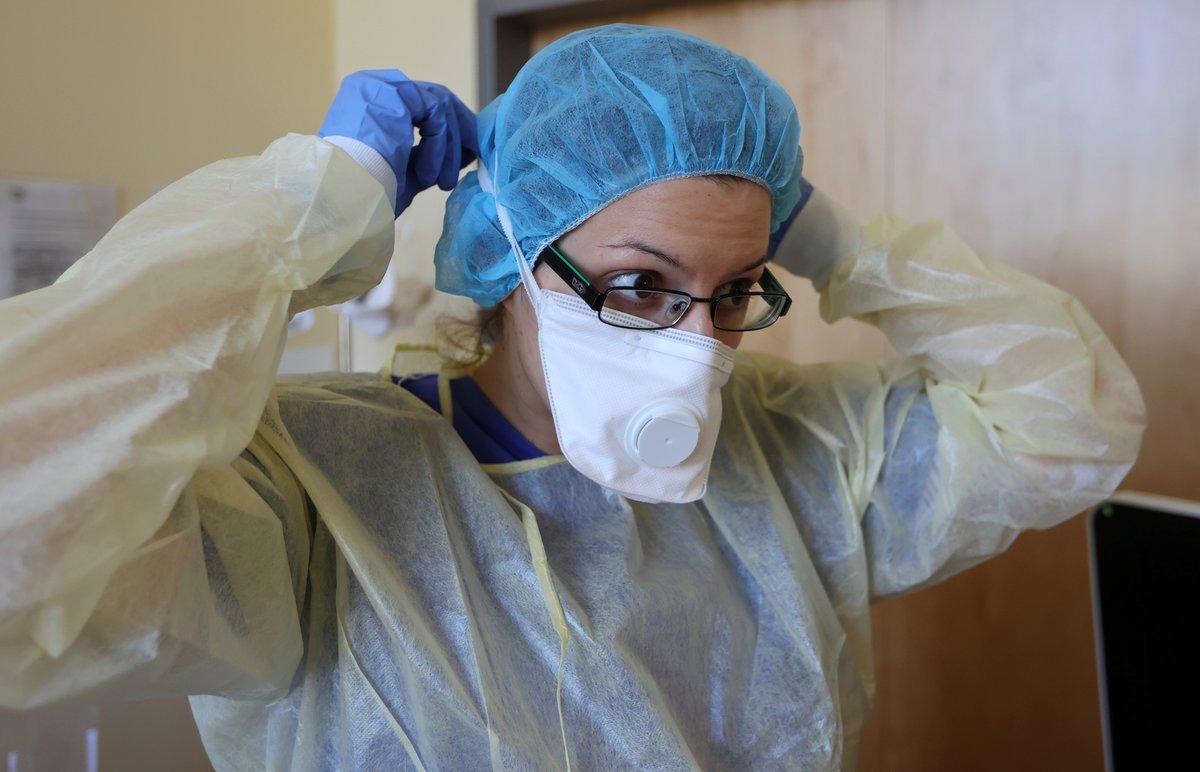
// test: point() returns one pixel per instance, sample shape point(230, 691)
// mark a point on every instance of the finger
point(410, 94)
point(468, 130)
point(426, 161)
point(452, 159)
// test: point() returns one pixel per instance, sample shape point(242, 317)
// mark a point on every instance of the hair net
point(596, 115)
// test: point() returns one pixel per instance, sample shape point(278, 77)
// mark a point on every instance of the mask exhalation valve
point(663, 434)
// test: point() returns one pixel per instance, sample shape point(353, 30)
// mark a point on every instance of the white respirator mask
point(637, 411)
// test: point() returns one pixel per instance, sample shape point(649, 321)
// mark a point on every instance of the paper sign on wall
point(47, 226)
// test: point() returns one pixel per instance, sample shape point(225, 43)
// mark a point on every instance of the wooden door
point(1062, 137)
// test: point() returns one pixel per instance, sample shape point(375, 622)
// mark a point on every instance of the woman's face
point(693, 234)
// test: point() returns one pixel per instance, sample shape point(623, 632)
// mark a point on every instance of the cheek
point(522, 335)
point(731, 339)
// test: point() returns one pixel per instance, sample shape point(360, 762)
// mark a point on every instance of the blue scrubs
point(488, 435)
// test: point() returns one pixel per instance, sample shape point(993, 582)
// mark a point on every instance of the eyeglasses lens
point(647, 309)
point(746, 312)
point(643, 309)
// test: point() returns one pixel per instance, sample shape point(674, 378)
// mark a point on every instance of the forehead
point(691, 209)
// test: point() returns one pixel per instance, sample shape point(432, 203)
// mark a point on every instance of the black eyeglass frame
point(583, 287)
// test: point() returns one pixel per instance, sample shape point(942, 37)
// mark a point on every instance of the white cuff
point(821, 235)
point(369, 159)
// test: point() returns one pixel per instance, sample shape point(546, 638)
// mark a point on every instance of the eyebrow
point(674, 262)
point(760, 261)
point(642, 246)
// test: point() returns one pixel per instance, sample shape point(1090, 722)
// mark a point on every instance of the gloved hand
point(815, 236)
point(380, 108)
point(806, 190)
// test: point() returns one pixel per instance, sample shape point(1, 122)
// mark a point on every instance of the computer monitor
point(1145, 555)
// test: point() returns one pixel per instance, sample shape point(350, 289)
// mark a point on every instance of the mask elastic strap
point(523, 269)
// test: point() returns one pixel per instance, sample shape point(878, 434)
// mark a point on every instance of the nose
point(698, 319)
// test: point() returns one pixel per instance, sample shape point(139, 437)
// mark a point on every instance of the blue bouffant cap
point(596, 115)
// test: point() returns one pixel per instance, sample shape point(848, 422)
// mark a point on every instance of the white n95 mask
point(637, 411)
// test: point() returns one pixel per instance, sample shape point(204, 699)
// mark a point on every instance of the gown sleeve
point(1008, 408)
point(147, 545)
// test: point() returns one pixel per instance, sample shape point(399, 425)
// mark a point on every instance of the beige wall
point(433, 41)
point(138, 93)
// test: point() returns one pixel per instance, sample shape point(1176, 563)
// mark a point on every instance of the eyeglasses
point(641, 308)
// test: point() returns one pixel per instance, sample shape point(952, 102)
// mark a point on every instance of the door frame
point(505, 29)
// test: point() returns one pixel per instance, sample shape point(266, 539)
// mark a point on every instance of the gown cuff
point(370, 159)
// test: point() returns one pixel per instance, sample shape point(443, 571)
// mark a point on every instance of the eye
point(740, 285)
point(634, 280)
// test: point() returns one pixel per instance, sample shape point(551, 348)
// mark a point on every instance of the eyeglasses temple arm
point(575, 279)
point(771, 284)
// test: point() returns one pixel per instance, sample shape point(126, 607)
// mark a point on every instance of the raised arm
point(147, 545)
point(127, 390)
point(1009, 410)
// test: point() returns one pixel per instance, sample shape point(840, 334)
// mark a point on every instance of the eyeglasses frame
point(586, 290)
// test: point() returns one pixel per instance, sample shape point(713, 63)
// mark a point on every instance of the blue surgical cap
point(596, 115)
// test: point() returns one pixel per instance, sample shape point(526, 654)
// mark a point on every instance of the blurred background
point(1061, 136)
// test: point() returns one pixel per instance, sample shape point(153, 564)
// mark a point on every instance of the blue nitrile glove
point(806, 190)
point(815, 237)
point(380, 109)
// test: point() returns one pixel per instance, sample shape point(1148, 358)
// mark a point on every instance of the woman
point(614, 544)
